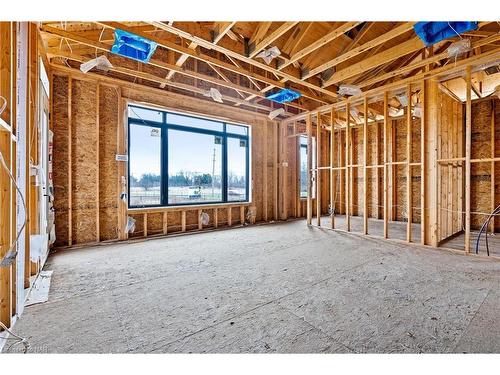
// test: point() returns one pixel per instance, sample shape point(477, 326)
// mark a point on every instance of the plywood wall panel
point(84, 161)
point(60, 163)
point(108, 168)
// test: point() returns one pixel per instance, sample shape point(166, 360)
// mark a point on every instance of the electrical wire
point(14, 244)
point(19, 339)
point(485, 227)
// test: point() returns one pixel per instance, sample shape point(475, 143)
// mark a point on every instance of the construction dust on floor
point(282, 288)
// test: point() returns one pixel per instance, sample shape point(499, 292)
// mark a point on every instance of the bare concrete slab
point(280, 288)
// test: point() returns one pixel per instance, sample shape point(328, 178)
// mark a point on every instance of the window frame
point(300, 146)
point(165, 126)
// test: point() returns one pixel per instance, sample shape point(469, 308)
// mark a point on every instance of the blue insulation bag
point(433, 32)
point(133, 46)
point(284, 96)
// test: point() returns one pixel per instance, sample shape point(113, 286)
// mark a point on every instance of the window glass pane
point(303, 166)
point(145, 165)
point(145, 114)
point(194, 167)
point(194, 122)
point(236, 169)
point(235, 129)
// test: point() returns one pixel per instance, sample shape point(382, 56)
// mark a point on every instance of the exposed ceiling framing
point(315, 57)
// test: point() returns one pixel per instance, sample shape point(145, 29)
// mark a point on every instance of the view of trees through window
point(178, 159)
point(145, 165)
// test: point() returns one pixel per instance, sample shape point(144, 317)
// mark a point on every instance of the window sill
point(141, 210)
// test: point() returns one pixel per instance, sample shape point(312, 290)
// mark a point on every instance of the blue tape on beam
point(133, 46)
point(434, 32)
point(284, 96)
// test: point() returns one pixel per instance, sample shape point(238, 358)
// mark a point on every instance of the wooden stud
point(165, 222)
point(242, 215)
point(468, 139)
point(348, 171)
point(70, 167)
point(332, 186)
point(200, 223)
point(97, 220)
point(423, 140)
point(492, 183)
point(275, 171)
point(264, 174)
point(309, 169)
point(409, 200)
point(229, 216)
point(386, 168)
point(318, 171)
point(145, 223)
point(216, 218)
point(183, 221)
point(365, 171)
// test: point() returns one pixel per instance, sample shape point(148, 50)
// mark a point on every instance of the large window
point(303, 166)
point(176, 159)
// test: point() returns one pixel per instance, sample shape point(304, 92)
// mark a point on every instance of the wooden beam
point(160, 64)
point(424, 62)
point(180, 49)
point(259, 45)
point(179, 62)
point(331, 36)
point(259, 32)
point(397, 31)
point(236, 55)
point(221, 29)
point(153, 78)
point(392, 53)
point(426, 75)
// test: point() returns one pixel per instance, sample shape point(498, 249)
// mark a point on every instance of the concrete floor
point(280, 288)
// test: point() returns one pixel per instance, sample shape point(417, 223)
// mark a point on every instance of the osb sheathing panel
point(450, 145)
point(84, 161)
point(108, 171)
point(139, 226)
point(60, 161)
point(481, 181)
point(155, 223)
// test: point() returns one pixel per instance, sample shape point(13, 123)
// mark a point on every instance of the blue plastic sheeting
point(284, 96)
point(133, 46)
point(433, 32)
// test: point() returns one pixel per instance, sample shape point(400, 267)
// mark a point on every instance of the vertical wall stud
point(348, 162)
point(386, 168)
point(468, 138)
point(309, 169)
point(332, 187)
point(409, 201)
point(365, 170)
point(318, 170)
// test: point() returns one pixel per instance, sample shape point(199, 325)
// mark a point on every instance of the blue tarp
point(433, 32)
point(133, 46)
point(284, 96)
